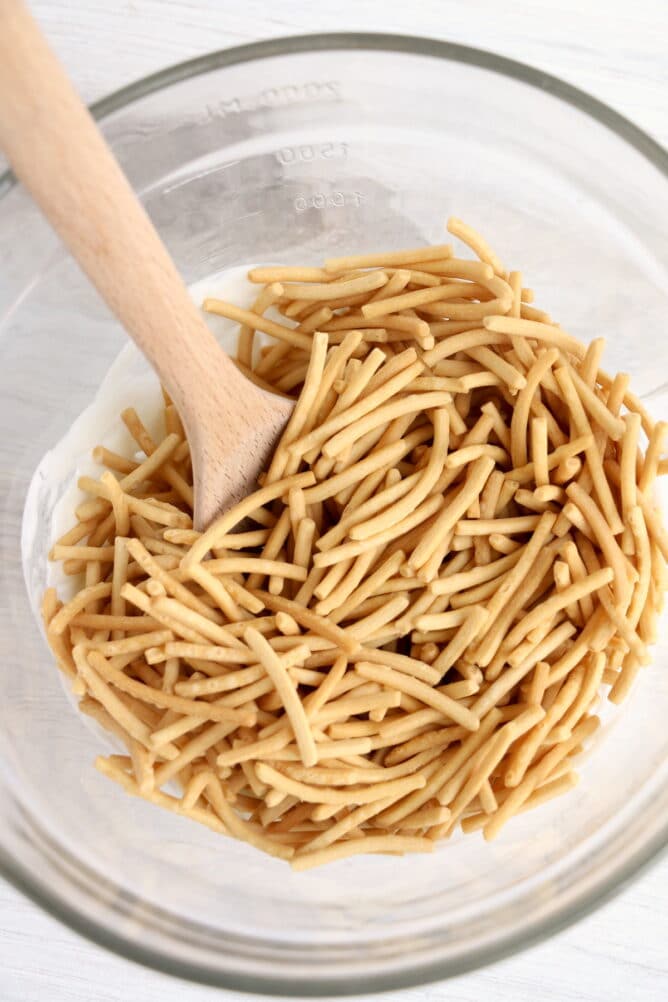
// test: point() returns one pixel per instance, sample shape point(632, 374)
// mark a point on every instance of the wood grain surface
point(616, 51)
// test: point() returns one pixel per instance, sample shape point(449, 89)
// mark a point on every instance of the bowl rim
point(599, 890)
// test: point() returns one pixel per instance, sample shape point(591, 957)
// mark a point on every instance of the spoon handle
point(59, 154)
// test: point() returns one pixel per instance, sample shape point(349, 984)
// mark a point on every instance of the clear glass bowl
point(288, 151)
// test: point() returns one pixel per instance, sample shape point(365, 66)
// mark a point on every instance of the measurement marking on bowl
point(329, 200)
point(272, 97)
point(308, 152)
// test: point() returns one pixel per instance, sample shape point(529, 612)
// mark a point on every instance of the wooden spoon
point(60, 156)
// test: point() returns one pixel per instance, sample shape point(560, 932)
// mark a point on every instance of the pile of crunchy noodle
point(406, 628)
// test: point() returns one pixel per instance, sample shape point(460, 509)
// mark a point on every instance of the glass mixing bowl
point(289, 151)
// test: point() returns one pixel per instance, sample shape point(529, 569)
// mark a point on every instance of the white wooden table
point(616, 51)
